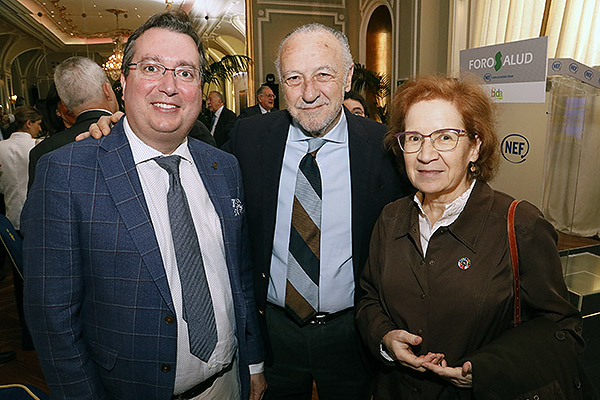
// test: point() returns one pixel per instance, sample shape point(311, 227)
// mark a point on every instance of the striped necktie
point(302, 283)
point(198, 310)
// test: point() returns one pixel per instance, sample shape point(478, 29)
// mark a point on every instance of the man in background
point(223, 118)
point(85, 90)
point(265, 102)
point(355, 103)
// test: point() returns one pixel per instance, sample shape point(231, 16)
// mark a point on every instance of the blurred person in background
point(14, 158)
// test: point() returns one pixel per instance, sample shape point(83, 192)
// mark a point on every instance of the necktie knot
point(314, 144)
point(169, 164)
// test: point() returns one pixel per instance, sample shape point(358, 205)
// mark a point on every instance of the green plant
point(375, 88)
point(219, 71)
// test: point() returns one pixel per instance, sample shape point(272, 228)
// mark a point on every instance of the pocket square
point(238, 207)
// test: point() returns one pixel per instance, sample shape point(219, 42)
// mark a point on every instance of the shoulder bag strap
point(514, 259)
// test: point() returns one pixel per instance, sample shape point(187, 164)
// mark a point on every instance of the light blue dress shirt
point(336, 286)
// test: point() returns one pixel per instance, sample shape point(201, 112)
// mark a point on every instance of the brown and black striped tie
point(302, 284)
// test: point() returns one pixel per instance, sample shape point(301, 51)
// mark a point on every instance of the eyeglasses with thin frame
point(445, 139)
point(155, 71)
point(270, 96)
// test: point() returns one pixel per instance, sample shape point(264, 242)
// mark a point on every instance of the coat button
point(423, 296)
point(169, 319)
point(422, 262)
point(431, 262)
point(165, 368)
point(263, 275)
point(419, 331)
point(261, 312)
point(560, 335)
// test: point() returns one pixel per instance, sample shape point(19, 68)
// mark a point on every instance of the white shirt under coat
point(190, 370)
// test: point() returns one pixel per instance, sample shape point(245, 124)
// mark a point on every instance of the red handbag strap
point(514, 258)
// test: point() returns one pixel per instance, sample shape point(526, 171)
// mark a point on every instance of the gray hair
point(79, 81)
point(174, 21)
point(313, 28)
point(218, 94)
point(261, 89)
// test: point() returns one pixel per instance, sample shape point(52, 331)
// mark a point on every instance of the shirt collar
point(142, 152)
point(339, 133)
point(262, 109)
point(452, 210)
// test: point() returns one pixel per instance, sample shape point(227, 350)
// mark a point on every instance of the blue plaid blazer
point(97, 299)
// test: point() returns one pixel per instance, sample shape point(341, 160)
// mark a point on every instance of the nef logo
point(497, 94)
point(514, 148)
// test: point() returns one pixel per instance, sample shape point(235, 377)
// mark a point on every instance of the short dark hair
point(473, 104)
point(175, 21)
point(354, 95)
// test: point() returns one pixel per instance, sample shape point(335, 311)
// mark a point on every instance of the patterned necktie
point(302, 284)
point(197, 303)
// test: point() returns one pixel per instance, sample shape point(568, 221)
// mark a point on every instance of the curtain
point(571, 191)
point(573, 26)
point(499, 21)
point(574, 30)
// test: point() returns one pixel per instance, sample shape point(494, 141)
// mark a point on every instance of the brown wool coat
point(457, 311)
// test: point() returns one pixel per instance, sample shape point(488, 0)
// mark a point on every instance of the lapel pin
point(464, 263)
point(214, 165)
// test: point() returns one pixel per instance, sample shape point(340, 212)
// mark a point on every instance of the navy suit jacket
point(224, 125)
point(97, 299)
point(258, 142)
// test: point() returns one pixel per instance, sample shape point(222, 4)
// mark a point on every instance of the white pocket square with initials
point(238, 207)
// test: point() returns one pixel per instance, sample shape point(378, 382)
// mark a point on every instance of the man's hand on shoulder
point(102, 127)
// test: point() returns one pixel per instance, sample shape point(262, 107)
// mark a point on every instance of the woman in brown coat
point(438, 282)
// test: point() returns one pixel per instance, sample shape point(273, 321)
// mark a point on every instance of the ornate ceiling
point(59, 24)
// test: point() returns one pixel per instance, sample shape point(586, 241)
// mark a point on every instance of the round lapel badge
point(464, 263)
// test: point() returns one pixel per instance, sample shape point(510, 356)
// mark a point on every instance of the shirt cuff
point(257, 368)
point(383, 353)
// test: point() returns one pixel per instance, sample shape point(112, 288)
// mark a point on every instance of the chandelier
point(112, 66)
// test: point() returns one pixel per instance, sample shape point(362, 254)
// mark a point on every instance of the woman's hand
point(102, 127)
point(461, 377)
point(398, 344)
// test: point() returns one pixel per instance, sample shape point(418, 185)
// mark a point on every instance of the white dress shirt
point(336, 278)
point(217, 115)
point(14, 167)
point(190, 370)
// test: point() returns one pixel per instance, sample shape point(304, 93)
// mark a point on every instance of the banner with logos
point(513, 72)
point(574, 69)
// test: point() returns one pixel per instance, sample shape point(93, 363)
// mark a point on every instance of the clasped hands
point(399, 344)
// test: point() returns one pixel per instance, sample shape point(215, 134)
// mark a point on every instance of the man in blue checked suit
point(138, 283)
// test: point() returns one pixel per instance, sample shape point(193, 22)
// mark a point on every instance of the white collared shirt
point(451, 213)
point(190, 370)
point(14, 161)
point(217, 115)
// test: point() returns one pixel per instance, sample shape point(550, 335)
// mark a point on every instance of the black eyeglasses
point(445, 139)
point(155, 71)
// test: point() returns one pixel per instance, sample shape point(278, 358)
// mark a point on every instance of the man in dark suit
point(317, 340)
point(223, 118)
point(84, 88)
point(123, 299)
point(266, 101)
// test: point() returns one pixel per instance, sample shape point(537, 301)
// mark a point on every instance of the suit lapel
point(122, 180)
point(270, 151)
point(360, 154)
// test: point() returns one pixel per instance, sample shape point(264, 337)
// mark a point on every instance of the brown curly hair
point(475, 107)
